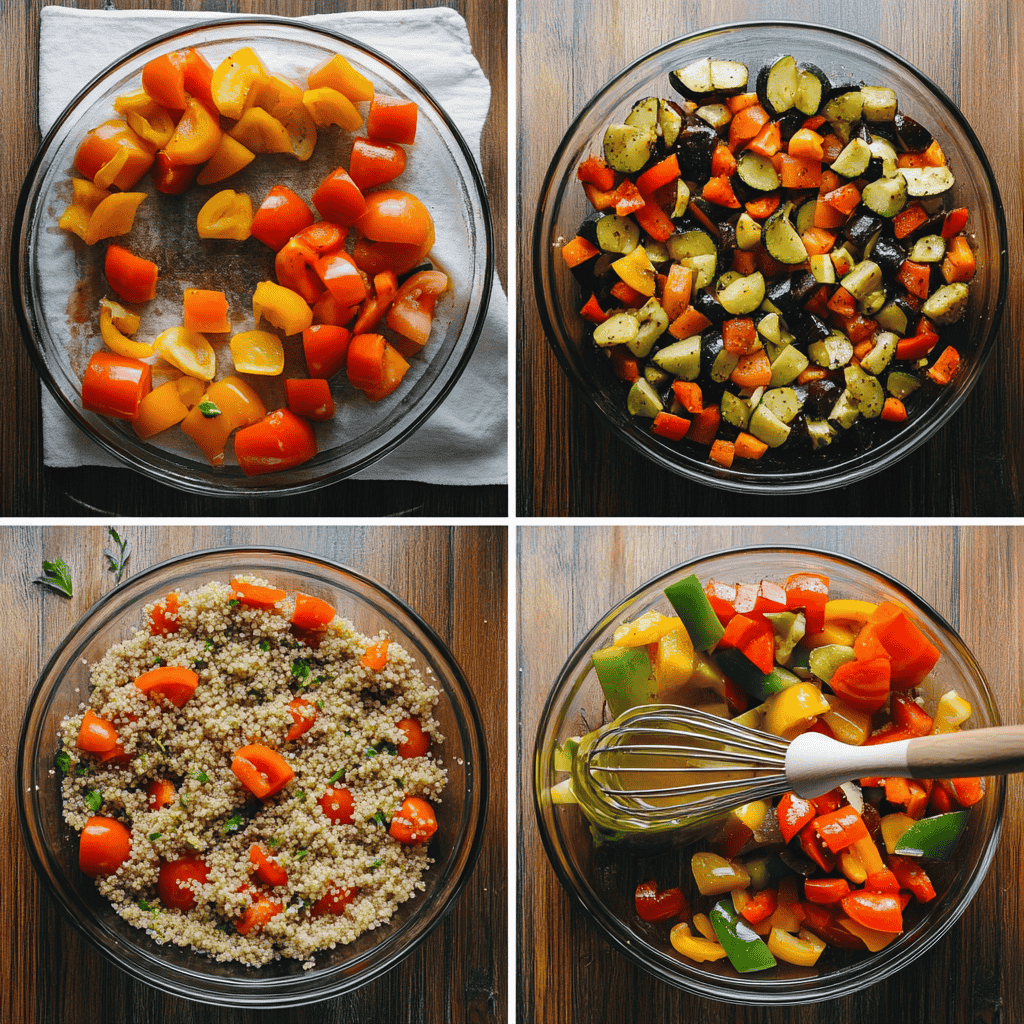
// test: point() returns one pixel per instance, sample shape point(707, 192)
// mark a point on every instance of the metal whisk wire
point(741, 764)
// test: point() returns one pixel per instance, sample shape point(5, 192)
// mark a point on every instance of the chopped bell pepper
point(911, 653)
point(802, 950)
point(873, 939)
point(694, 947)
point(912, 877)
point(197, 136)
point(282, 307)
point(715, 874)
point(188, 351)
point(951, 712)
point(649, 628)
point(112, 336)
point(794, 812)
point(876, 910)
point(809, 591)
point(654, 904)
point(225, 405)
point(206, 311)
point(934, 837)
point(328, 106)
point(626, 677)
point(793, 710)
point(258, 352)
point(261, 132)
point(233, 78)
point(674, 663)
point(228, 214)
point(745, 949)
point(229, 158)
point(145, 117)
point(337, 73)
point(161, 409)
point(85, 197)
point(114, 216)
point(691, 604)
point(114, 153)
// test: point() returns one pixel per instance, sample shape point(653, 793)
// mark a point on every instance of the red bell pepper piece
point(760, 906)
point(882, 881)
point(813, 847)
point(877, 910)
point(722, 598)
point(913, 877)
point(908, 714)
point(912, 655)
point(770, 598)
point(794, 812)
point(968, 791)
point(840, 828)
point(653, 904)
point(823, 923)
point(864, 685)
point(826, 890)
point(809, 591)
point(828, 802)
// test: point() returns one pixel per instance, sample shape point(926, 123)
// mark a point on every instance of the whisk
point(697, 767)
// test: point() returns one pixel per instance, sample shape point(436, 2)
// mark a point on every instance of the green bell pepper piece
point(627, 677)
point(933, 837)
point(823, 661)
point(744, 947)
point(789, 628)
point(692, 606)
point(745, 674)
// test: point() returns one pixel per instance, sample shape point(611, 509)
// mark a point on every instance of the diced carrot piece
point(668, 425)
point(744, 261)
point(828, 217)
point(723, 163)
point(817, 241)
point(746, 446)
point(624, 364)
point(719, 191)
point(741, 102)
point(806, 143)
point(761, 209)
point(592, 311)
point(688, 395)
point(908, 220)
point(768, 141)
point(739, 336)
point(690, 322)
point(704, 425)
point(753, 370)
point(894, 410)
point(800, 173)
point(722, 452)
point(830, 181)
point(745, 126)
point(596, 172)
point(578, 251)
point(945, 367)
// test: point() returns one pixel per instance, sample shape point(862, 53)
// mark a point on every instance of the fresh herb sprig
point(118, 553)
point(56, 576)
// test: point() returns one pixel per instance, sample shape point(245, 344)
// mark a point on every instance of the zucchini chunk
point(885, 196)
point(644, 113)
point(927, 181)
point(618, 329)
point(879, 103)
point(929, 249)
point(777, 85)
point(946, 304)
point(643, 400)
point(757, 171)
point(613, 233)
point(653, 322)
point(835, 351)
point(781, 239)
point(853, 161)
point(743, 295)
point(701, 78)
point(681, 358)
point(748, 232)
point(811, 86)
point(628, 147)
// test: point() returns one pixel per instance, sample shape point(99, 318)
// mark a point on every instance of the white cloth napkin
point(465, 441)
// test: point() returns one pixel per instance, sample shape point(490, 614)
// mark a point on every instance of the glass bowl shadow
point(53, 846)
point(602, 881)
point(562, 206)
point(59, 321)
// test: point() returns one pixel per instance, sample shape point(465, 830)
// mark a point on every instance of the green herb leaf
point(234, 603)
point(117, 557)
point(153, 836)
point(300, 670)
point(371, 752)
point(300, 854)
point(300, 794)
point(158, 662)
point(209, 645)
point(233, 824)
point(184, 800)
point(380, 819)
point(388, 748)
point(264, 645)
point(56, 576)
point(337, 775)
point(143, 905)
point(81, 769)
point(63, 760)
point(93, 800)
point(209, 409)
point(377, 863)
point(160, 745)
point(273, 842)
point(320, 705)
point(200, 775)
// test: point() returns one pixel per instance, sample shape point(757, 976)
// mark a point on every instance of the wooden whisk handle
point(995, 751)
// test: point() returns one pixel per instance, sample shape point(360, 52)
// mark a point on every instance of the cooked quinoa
point(251, 663)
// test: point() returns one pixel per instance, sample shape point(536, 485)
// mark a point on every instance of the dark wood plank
point(456, 578)
point(568, 577)
point(27, 487)
point(971, 467)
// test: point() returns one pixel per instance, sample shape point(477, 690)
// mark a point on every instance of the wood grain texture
point(567, 578)
point(456, 579)
point(973, 466)
point(27, 487)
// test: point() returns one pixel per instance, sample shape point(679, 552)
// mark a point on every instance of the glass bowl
point(603, 880)
point(53, 846)
point(59, 321)
point(562, 206)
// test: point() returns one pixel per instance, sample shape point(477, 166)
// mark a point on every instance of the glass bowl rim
point(268, 488)
point(768, 992)
point(290, 989)
point(859, 467)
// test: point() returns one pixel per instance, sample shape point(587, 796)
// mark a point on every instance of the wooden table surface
point(52, 976)
point(27, 487)
point(567, 578)
point(973, 466)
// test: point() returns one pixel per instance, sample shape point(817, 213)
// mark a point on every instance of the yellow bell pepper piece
point(282, 307)
point(851, 866)
point(226, 405)
point(673, 663)
point(146, 117)
point(191, 390)
point(328, 106)
point(274, 95)
point(693, 947)
point(874, 940)
point(793, 710)
point(715, 875)
point(230, 158)
point(648, 629)
point(833, 633)
point(108, 174)
point(703, 925)
point(849, 610)
point(866, 850)
point(85, 197)
point(257, 352)
point(261, 132)
point(228, 214)
point(114, 216)
point(113, 319)
point(337, 73)
point(893, 827)
point(847, 723)
point(802, 950)
point(160, 409)
point(784, 916)
point(197, 136)
point(301, 131)
point(188, 351)
point(233, 78)
point(951, 712)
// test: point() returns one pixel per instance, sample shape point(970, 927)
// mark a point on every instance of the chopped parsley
point(300, 794)
point(320, 705)
point(158, 662)
point(209, 645)
point(143, 905)
point(377, 863)
point(380, 819)
point(160, 745)
point(209, 409)
point(234, 602)
point(93, 800)
point(301, 671)
point(233, 824)
point(200, 775)
point(56, 576)
point(273, 842)
point(371, 752)
point(337, 775)
point(81, 770)
point(300, 854)
point(184, 800)
point(264, 645)
point(154, 836)
point(63, 760)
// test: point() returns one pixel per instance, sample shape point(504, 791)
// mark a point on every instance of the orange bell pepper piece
point(226, 405)
point(328, 106)
point(412, 311)
point(114, 216)
point(282, 307)
point(197, 136)
point(206, 311)
point(376, 163)
point(392, 120)
point(281, 440)
point(161, 409)
point(233, 78)
point(337, 73)
point(231, 156)
point(115, 385)
point(115, 153)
